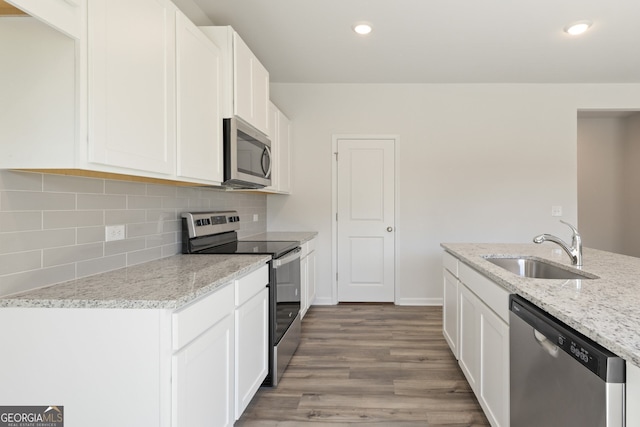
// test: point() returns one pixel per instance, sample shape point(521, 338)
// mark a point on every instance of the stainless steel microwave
point(247, 155)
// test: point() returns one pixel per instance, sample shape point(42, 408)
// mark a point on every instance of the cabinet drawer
point(197, 317)
point(493, 295)
point(251, 284)
point(450, 263)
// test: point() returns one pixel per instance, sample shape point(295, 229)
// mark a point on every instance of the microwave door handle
point(266, 153)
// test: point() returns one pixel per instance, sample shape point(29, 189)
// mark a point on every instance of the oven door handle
point(287, 259)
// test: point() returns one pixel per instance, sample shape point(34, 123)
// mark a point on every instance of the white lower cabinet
point(154, 367)
point(633, 395)
point(494, 367)
point(307, 276)
point(450, 313)
point(482, 345)
point(252, 337)
point(469, 356)
point(203, 378)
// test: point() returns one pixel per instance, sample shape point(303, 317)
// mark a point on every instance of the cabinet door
point(494, 367)
point(450, 312)
point(199, 125)
point(469, 350)
point(132, 85)
point(311, 278)
point(251, 86)
point(203, 379)
point(284, 154)
point(273, 136)
point(64, 15)
point(304, 286)
point(242, 81)
point(259, 95)
point(252, 342)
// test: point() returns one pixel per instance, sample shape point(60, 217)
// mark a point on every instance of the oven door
point(286, 298)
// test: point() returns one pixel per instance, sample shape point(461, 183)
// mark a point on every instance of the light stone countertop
point(606, 309)
point(299, 236)
point(167, 283)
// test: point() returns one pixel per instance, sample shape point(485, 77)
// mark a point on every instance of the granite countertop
point(167, 283)
point(606, 309)
point(299, 236)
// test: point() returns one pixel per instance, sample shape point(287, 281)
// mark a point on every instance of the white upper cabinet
point(199, 125)
point(245, 79)
point(138, 93)
point(280, 135)
point(66, 16)
point(131, 84)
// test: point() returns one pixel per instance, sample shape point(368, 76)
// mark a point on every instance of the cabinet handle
point(389, 229)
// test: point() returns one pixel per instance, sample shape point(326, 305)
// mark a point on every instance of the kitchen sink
point(537, 268)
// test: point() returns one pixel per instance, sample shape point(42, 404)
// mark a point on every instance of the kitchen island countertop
point(606, 309)
point(167, 283)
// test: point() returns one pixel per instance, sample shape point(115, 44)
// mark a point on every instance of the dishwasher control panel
point(590, 354)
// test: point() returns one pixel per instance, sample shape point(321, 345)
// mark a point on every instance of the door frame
point(334, 208)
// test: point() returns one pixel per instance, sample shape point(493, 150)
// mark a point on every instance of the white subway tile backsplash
point(66, 219)
point(20, 221)
point(30, 240)
point(102, 201)
point(123, 246)
point(124, 216)
point(89, 235)
point(14, 283)
point(143, 229)
point(36, 201)
point(14, 180)
point(101, 265)
point(69, 254)
point(162, 239)
point(72, 184)
point(173, 249)
point(144, 202)
point(20, 261)
point(162, 191)
point(52, 227)
point(146, 255)
point(125, 187)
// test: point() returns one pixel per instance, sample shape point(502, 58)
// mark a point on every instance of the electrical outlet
point(556, 210)
point(114, 232)
point(255, 217)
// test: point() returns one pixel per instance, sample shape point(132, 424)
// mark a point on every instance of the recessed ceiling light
point(577, 27)
point(362, 28)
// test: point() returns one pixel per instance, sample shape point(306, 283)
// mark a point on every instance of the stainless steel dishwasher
point(558, 376)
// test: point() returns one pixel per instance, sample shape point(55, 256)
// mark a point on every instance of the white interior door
point(366, 220)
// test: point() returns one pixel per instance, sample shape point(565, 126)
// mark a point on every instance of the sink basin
point(536, 268)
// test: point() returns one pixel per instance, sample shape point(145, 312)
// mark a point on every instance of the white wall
point(601, 150)
point(631, 186)
point(478, 163)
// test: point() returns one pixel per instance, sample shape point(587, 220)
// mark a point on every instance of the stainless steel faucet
point(574, 252)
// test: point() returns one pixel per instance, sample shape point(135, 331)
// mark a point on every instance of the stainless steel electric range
point(216, 233)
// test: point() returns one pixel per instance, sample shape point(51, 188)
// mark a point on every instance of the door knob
point(389, 229)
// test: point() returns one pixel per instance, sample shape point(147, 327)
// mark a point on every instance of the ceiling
point(438, 41)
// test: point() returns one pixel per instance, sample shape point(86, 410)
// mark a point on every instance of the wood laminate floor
point(369, 364)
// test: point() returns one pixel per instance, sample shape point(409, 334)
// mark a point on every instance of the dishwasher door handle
point(547, 345)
